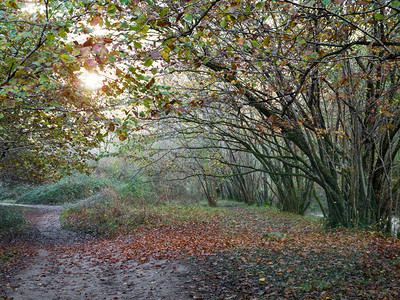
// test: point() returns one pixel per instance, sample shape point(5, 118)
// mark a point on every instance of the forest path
point(64, 268)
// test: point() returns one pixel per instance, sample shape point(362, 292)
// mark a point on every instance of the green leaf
point(21, 5)
point(148, 62)
point(112, 9)
point(189, 18)
point(62, 33)
point(50, 36)
point(125, 2)
point(141, 20)
point(396, 4)
point(379, 17)
point(145, 29)
point(65, 57)
point(260, 5)
point(137, 45)
point(301, 41)
point(223, 23)
point(164, 12)
point(112, 58)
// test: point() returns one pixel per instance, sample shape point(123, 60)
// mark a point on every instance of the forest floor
point(52, 269)
point(200, 253)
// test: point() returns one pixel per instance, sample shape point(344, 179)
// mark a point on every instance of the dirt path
point(58, 273)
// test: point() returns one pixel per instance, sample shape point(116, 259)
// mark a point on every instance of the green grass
point(123, 182)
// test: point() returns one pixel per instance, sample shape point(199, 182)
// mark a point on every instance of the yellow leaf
point(262, 279)
point(266, 41)
point(122, 137)
point(12, 4)
point(165, 55)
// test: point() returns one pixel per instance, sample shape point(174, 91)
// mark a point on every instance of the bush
point(11, 218)
point(111, 174)
point(68, 190)
point(104, 213)
point(9, 193)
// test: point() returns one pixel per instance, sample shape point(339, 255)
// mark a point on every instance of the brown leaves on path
point(251, 253)
point(263, 253)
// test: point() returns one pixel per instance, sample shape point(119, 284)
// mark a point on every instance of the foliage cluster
point(310, 89)
point(10, 193)
point(49, 122)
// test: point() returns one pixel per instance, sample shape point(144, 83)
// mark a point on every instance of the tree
point(48, 121)
point(321, 76)
point(315, 81)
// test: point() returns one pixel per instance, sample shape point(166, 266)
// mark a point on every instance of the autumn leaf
point(150, 83)
point(241, 42)
point(96, 20)
point(111, 127)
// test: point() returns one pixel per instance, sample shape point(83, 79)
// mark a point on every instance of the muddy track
point(58, 273)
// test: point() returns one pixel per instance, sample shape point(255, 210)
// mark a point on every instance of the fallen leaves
point(253, 252)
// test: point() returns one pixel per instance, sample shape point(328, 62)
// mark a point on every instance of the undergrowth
point(9, 193)
point(105, 213)
point(12, 224)
point(68, 189)
point(11, 218)
point(74, 188)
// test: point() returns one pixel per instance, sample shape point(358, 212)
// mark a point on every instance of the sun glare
point(92, 80)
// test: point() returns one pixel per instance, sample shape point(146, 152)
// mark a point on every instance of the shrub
point(11, 218)
point(67, 190)
point(9, 193)
point(104, 213)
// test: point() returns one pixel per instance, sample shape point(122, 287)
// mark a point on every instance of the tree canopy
point(48, 120)
point(309, 88)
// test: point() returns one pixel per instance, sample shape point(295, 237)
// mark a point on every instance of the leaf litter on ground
point(256, 253)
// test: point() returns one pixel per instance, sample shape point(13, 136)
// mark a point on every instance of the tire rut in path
point(57, 273)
